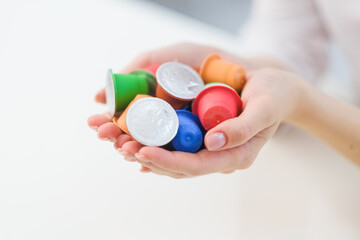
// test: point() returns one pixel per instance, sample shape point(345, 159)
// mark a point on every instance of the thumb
point(256, 117)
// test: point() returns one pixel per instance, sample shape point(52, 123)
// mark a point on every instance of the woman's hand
point(191, 54)
point(270, 96)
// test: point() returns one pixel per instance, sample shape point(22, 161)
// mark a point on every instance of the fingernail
point(141, 157)
point(116, 147)
point(109, 115)
point(215, 141)
point(130, 159)
point(94, 127)
point(124, 153)
point(145, 170)
point(113, 140)
point(104, 139)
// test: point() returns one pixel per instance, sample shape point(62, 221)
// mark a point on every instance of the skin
point(270, 96)
point(334, 122)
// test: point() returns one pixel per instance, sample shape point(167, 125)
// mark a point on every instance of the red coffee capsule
point(216, 104)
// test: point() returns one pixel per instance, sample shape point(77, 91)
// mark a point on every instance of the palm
point(182, 164)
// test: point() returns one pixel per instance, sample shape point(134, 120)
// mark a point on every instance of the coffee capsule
point(153, 68)
point(216, 104)
point(152, 121)
point(121, 121)
point(121, 89)
point(217, 84)
point(190, 135)
point(178, 84)
point(190, 106)
point(214, 69)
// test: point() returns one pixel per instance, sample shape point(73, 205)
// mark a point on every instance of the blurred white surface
point(225, 14)
point(58, 181)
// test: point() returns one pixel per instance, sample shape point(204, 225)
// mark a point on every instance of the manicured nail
point(141, 157)
point(116, 147)
point(130, 159)
point(113, 140)
point(215, 141)
point(94, 127)
point(145, 170)
point(124, 153)
point(109, 115)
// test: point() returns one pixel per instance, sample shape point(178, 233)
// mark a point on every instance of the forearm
point(336, 123)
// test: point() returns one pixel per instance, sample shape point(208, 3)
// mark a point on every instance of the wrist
point(303, 102)
point(266, 62)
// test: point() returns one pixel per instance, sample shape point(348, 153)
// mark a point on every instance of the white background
point(58, 181)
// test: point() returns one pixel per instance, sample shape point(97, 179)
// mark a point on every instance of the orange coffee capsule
point(174, 102)
point(214, 69)
point(121, 121)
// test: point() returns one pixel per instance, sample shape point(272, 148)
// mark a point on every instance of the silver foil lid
point(218, 84)
point(179, 80)
point(110, 92)
point(152, 121)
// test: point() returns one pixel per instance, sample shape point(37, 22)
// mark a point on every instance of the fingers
point(128, 150)
point(96, 121)
point(189, 164)
point(181, 164)
point(122, 138)
point(149, 167)
point(257, 115)
point(100, 96)
point(109, 131)
point(144, 169)
point(131, 147)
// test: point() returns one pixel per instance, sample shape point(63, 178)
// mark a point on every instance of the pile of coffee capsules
point(173, 105)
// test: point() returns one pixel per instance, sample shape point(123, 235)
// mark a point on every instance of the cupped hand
point(270, 96)
point(191, 54)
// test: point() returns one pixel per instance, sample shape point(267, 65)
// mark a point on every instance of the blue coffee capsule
point(188, 107)
point(190, 135)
